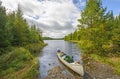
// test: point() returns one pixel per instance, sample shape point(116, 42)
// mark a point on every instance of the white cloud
point(11, 5)
point(55, 18)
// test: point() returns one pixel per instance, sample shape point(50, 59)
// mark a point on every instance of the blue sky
point(56, 18)
point(113, 5)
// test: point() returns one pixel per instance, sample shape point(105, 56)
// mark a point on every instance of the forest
point(98, 33)
point(19, 44)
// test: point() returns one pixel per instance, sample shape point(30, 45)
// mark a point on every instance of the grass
point(19, 64)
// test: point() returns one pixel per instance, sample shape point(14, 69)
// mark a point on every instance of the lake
point(48, 57)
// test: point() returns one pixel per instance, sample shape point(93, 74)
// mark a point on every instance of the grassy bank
point(20, 63)
point(20, 44)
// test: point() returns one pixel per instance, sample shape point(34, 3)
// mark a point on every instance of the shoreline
point(98, 70)
point(59, 72)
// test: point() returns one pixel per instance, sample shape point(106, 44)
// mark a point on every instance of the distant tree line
point(98, 30)
point(49, 38)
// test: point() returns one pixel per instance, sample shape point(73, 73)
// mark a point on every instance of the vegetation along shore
point(19, 44)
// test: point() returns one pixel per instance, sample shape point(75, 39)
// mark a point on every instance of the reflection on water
point(48, 58)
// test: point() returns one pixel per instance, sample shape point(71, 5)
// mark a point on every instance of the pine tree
point(4, 42)
point(93, 14)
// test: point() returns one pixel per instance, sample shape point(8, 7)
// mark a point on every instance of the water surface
point(48, 58)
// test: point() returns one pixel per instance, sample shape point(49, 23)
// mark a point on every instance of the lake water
point(48, 57)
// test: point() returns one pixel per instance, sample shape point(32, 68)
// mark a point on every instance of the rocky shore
point(59, 72)
point(93, 70)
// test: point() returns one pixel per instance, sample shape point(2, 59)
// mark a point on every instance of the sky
point(113, 5)
point(55, 18)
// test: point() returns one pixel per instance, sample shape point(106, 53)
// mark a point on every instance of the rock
point(59, 72)
point(53, 76)
point(64, 72)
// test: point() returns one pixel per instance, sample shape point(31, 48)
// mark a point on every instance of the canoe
point(78, 68)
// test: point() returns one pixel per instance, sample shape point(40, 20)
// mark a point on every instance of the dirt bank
point(98, 70)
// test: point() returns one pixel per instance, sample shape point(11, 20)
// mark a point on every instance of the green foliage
point(93, 14)
point(4, 30)
point(35, 35)
point(15, 31)
point(98, 34)
point(86, 45)
point(19, 64)
point(99, 31)
point(19, 42)
point(35, 48)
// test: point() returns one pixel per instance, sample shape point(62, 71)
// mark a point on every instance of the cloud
point(56, 18)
